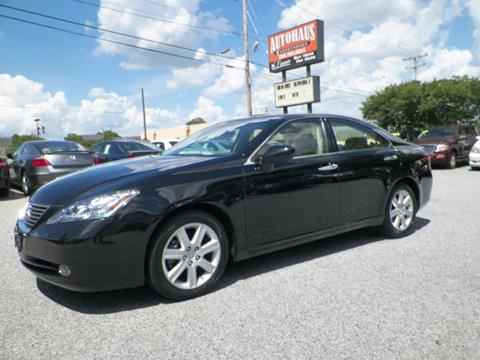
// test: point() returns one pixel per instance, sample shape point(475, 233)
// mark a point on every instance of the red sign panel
point(295, 47)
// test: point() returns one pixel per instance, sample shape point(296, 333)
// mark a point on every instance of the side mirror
point(10, 155)
point(277, 153)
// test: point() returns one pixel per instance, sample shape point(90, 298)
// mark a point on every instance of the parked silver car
point(37, 162)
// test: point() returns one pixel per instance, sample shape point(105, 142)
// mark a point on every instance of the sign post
point(302, 45)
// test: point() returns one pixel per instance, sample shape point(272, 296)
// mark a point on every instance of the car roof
point(286, 117)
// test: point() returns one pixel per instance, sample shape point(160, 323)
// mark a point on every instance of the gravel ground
point(356, 296)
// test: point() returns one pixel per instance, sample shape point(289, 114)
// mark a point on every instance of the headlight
point(442, 147)
point(97, 207)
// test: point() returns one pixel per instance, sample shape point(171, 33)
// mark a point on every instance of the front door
point(295, 197)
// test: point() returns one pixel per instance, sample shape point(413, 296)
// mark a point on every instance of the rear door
point(366, 163)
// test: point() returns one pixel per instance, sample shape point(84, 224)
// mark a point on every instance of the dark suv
point(447, 145)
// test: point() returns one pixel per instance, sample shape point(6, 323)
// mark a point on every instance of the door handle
point(328, 167)
point(390, 158)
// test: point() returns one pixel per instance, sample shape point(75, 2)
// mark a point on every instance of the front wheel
point(188, 257)
point(400, 212)
point(452, 161)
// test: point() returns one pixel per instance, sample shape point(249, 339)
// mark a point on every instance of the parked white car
point(165, 144)
point(474, 156)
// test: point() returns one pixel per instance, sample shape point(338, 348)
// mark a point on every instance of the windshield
point(219, 140)
point(438, 133)
point(49, 147)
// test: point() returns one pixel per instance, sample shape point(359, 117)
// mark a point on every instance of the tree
point(18, 140)
point(419, 105)
point(109, 135)
point(80, 140)
point(197, 120)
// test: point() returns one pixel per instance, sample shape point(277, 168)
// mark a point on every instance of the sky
point(75, 80)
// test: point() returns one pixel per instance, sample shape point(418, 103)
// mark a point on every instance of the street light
point(38, 127)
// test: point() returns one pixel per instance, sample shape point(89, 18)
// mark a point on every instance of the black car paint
point(259, 207)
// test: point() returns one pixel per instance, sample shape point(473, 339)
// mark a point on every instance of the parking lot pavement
point(356, 296)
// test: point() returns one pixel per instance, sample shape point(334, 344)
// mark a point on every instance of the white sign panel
point(297, 92)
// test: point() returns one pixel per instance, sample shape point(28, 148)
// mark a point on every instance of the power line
point(115, 32)
point(159, 51)
point(416, 63)
point(157, 18)
point(116, 42)
point(156, 3)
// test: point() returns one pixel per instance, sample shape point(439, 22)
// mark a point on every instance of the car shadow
point(13, 195)
point(124, 300)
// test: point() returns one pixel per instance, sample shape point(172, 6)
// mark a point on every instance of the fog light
point(64, 270)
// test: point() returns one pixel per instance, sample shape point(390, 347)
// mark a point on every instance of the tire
point(26, 184)
point(194, 266)
point(452, 161)
point(4, 192)
point(391, 227)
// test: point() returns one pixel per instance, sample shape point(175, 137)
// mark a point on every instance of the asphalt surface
point(357, 296)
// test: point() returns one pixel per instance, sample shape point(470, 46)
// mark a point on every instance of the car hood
point(117, 174)
point(433, 141)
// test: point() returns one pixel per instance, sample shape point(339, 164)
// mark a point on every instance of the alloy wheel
point(452, 161)
point(25, 184)
point(191, 256)
point(401, 210)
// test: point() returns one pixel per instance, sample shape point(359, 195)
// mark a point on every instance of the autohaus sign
point(299, 46)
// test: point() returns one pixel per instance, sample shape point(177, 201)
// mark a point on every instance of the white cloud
point(192, 76)
point(159, 23)
point(231, 80)
point(22, 100)
point(474, 10)
point(208, 110)
point(349, 14)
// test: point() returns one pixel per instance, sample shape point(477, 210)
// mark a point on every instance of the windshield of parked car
point(49, 147)
point(137, 146)
point(219, 140)
point(438, 133)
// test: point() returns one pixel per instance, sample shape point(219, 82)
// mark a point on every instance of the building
point(177, 133)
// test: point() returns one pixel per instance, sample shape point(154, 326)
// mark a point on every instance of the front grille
point(429, 148)
point(34, 213)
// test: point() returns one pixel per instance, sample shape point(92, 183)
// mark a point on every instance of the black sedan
point(4, 178)
point(122, 149)
point(36, 163)
point(236, 189)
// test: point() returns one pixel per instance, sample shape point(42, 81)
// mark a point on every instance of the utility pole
point(144, 117)
point(416, 63)
point(248, 93)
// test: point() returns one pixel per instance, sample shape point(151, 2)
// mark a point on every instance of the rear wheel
point(188, 257)
point(452, 160)
point(26, 184)
point(400, 212)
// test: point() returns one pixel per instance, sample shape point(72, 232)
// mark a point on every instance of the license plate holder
point(19, 239)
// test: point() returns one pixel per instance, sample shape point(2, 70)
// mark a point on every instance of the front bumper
point(474, 160)
point(99, 260)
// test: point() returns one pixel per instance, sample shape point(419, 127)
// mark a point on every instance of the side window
point(97, 149)
point(25, 150)
point(113, 149)
point(350, 136)
point(306, 136)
